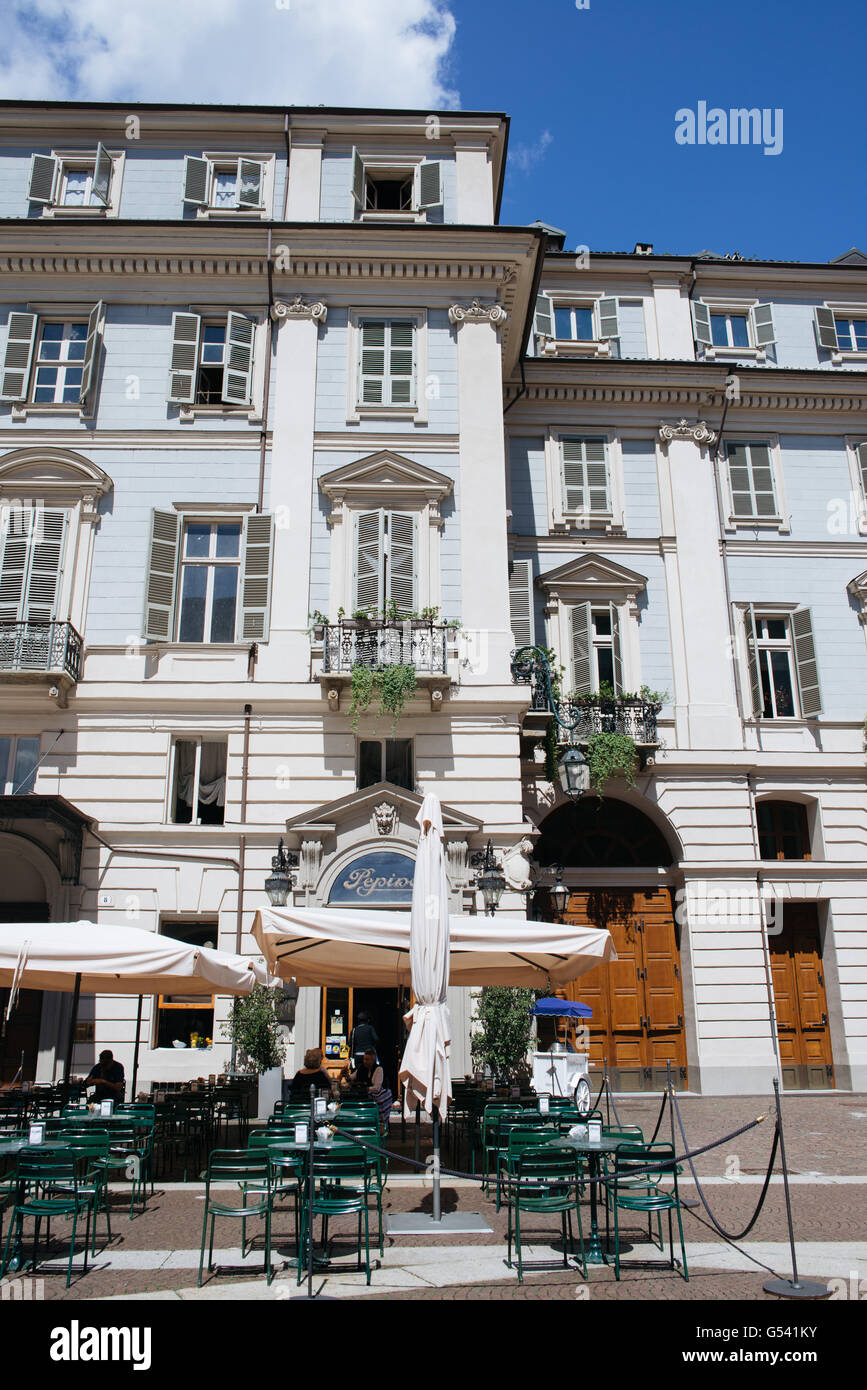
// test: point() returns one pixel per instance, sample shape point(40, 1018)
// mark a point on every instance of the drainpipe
point(242, 850)
point(766, 954)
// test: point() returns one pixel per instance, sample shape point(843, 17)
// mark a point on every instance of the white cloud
point(337, 52)
point(524, 157)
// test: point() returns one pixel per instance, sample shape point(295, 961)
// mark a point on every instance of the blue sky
point(592, 93)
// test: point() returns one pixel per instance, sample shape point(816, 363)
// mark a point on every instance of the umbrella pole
point(135, 1053)
point(73, 1017)
point(437, 1207)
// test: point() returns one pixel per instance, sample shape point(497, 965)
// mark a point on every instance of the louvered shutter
point(608, 325)
point(544, 318)
point(254, 613)
point(701, 323)
point(186, 333)
point(616, 648)
point(101, 175)
point(805, 659)
point(372, 361)
point(825, 329)
point(358, 179)
point(20, 341)
point(597, 475)
point(46, 565)
point(521, 603)
point(763, 325)
point(763, 480)
point(161, 576)
point(573, 475)
point(238, 371)
point(429, 184)
point(91, 354)
point(751, 481)
point(250, 175)
point(196, 175)
point(13, 566)
point(753, 662)
point(401, 569)
point(581, 624)
point(368, 561)
point(862, 465)
point(585, 475)
point(400, 365)
point(43, 177)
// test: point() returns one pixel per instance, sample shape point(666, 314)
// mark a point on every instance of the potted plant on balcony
point(318, 623)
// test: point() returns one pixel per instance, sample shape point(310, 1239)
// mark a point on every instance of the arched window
point(602, 834)
point(783, 830)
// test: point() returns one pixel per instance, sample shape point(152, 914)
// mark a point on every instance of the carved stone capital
point(699, 433)
point(477, 312)
point(299, 308)
point(858, 589)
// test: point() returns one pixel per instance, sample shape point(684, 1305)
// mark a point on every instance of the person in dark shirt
point(362, 1038)
point(107, 1078)
point(311, 1074)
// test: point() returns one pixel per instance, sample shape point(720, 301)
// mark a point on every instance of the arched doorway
point(637, 1001)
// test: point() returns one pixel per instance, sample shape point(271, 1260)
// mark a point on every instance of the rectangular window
point(385, 760)
point(32, 547)
point(385, 563)
point(18, 759)
point(584, 464)
point(751, 481)
point(60, 362)
point(783, 832)
point(603, 648)
point(199, 781)
point(387, 362)
point(776, 672)
point(851, 334)
point(574, 323)
point(210, 567)
point(730, 330)
point(212, 359)
point(72, 181)
point(389, 192)
point(224, 185)
point(186, 1019)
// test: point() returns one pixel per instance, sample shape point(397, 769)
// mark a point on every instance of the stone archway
point(29, 885)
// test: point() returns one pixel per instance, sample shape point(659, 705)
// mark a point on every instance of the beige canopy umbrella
point(424, 1070)
point(97, 959)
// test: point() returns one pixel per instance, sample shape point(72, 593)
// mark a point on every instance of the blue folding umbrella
point(561, 1008)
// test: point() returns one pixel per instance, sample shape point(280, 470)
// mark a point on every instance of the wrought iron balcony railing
point(53, 648)
point(584, 715)
point(376, 642)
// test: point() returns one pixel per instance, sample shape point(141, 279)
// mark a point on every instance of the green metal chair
point(340, 1188)
point(545, 1181)
point(251, 1171)
point(47, 1187)
point(633, 1183)
point(90, 1151)
point(530, 1123)
point(491, 1117)
point(123, 1158)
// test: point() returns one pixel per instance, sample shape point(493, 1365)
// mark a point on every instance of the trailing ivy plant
point(395, 685)
point(611, 755)
point(362, 690)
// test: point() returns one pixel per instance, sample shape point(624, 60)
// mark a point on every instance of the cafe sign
point(381, 878)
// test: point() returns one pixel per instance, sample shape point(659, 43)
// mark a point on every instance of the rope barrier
point(659, 1116)
point(730, 1236)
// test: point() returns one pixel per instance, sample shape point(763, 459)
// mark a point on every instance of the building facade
point(283, 405)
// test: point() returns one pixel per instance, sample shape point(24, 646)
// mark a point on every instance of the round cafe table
point(594, 1153)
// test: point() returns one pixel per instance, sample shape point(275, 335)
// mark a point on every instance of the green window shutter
point(608, 325)
point(250, 177)
point(367, 579)
point(102, 170)
point(238, 371)
point(616, 648)
point(401, 362)
point(521, 603)
point(254, 610)
point(544, 318)
point(43, 178)
point(581, 625)
point(805, 660)
point(358, 179)
point(186, 332)
point(701, 323)
point(429, 184)
point(20, 342)
point(196, 176)
point(90, 365)
point(763, 325)
point(825, 329)
point(46, 564)
point(161, 578)
point(372, 365)
point(402, 565)
point(13, 564)
point(753, 662)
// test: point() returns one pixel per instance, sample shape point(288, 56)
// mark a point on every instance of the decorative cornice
point(477, 312)
point(299, 308)
point(858, 589)
point(698, 433)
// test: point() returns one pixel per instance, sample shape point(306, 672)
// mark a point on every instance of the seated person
point(371, 1078)
point(107, 1078)
point(311, 1074)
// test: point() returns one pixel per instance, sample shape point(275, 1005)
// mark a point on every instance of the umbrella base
point(419, 1223)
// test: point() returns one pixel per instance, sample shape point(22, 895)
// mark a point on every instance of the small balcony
point(585, 715)
point(379, 642)
point(33, 650)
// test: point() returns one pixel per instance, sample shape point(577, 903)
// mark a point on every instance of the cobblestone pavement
point(826, 1137)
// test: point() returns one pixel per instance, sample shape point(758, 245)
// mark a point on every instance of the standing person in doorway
point(362, 1039)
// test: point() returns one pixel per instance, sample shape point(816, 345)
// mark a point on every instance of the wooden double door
point(800, 1000)
point(637, 1000)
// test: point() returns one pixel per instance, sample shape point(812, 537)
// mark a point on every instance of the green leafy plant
point(611, 755)
point(503, 1028)
point(253, 1029)
point(362, 691)
point(395, 685)
point(551, 751)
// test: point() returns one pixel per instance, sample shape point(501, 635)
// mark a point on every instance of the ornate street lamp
point(490, 877)
point(559, 893)
point(573, 772)
point(279, 882)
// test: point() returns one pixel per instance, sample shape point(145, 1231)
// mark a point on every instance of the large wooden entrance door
point(799, 1000)
point(637, 1000)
